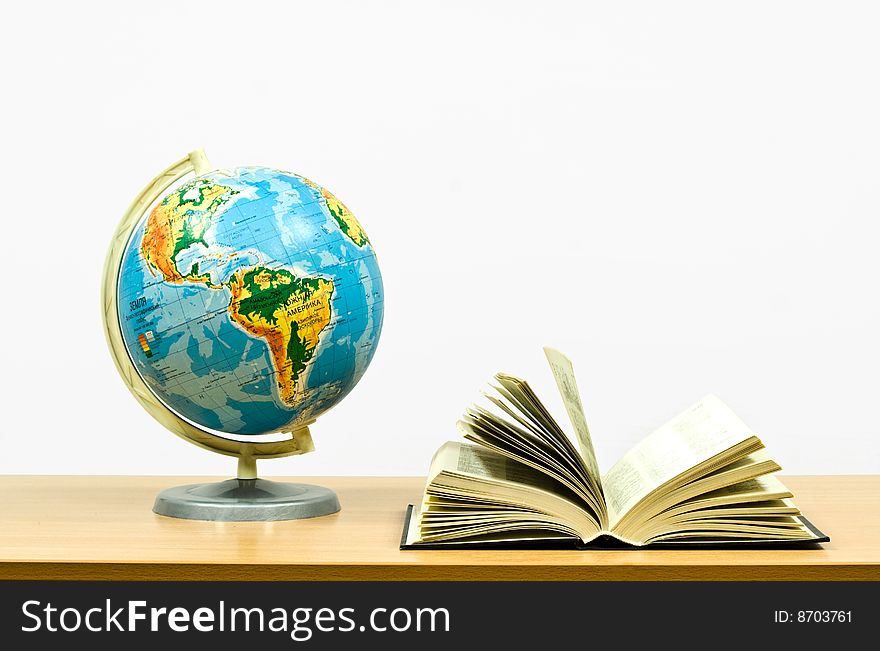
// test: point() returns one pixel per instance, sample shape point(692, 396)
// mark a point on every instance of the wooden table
point(103, 528)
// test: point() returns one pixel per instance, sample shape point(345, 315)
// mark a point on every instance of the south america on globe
point(250, 301)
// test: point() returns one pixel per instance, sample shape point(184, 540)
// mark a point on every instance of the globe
point(249, 301)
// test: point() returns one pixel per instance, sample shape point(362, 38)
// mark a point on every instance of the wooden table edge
point(100, 571)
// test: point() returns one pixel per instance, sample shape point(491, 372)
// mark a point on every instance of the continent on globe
point(289, 312)
point(346, 221)
point(180, 221)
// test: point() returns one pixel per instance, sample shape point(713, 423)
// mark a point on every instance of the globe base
point(246, 500)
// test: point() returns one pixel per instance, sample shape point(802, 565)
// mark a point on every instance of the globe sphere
point(249, 301)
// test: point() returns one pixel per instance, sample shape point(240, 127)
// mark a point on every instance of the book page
point(563, 373)
point(518, 425)
point(759, 489)
point(703, 431)
point(481, 463)
point(472, 490)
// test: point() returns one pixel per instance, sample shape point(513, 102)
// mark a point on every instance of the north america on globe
point(250, 301)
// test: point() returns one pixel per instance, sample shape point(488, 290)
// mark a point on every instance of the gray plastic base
point(246, 500)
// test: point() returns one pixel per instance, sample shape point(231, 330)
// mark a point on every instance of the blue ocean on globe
point(250, 301)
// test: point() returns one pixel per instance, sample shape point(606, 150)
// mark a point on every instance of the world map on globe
point(250, 301)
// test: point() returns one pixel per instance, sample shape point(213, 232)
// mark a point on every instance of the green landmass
point(271, 296)
point(265, 302)
point(197, 216)
point(191, 234)
point(359, 238)
point(297, 352)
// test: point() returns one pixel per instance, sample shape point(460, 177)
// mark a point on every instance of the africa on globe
point(250, 301)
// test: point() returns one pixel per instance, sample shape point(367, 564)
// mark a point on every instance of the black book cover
point(609, 543)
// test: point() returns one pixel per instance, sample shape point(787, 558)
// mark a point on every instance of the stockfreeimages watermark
point(138, 616)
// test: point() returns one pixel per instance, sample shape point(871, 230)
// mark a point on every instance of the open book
point(702, 478)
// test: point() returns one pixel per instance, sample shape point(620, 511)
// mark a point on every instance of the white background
point(684, 197)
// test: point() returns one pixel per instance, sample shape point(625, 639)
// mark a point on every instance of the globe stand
point(246, 498)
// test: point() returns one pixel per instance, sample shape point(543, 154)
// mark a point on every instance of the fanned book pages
point(702, 479)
